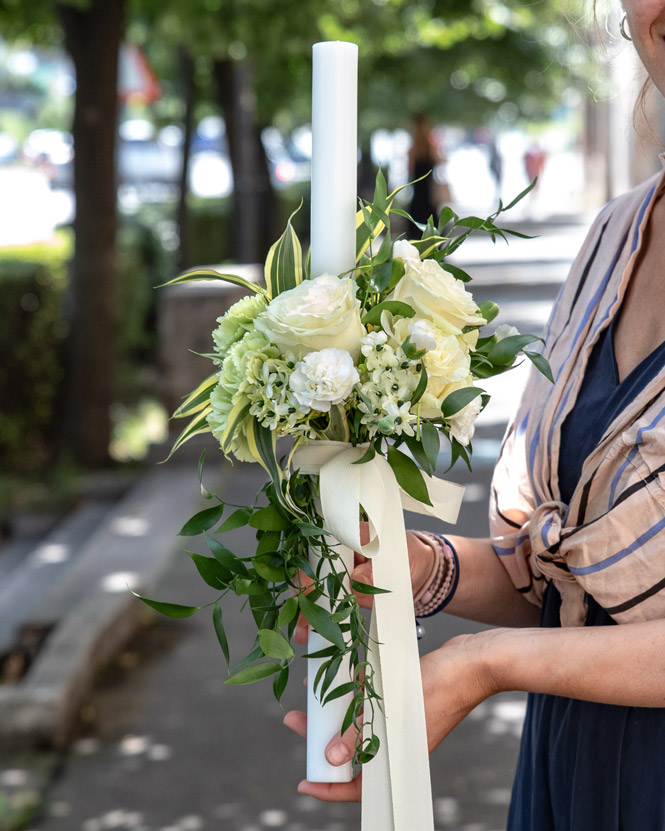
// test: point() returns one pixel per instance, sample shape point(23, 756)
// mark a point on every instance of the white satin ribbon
point(397, 792)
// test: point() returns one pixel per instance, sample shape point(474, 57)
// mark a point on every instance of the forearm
point(610, 664)
point(484, 591)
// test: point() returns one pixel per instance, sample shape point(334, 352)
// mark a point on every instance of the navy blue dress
point(585, 766)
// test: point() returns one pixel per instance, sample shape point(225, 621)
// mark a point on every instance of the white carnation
point(463, 423)
point(505, 331)
point(422, 335)
point(324, 378)
point(403, 250)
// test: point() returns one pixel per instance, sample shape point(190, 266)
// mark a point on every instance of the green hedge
point(32, 283)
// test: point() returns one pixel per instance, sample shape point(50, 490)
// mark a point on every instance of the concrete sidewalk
point(165, 746)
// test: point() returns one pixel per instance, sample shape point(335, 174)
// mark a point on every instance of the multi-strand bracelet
point(440, 585)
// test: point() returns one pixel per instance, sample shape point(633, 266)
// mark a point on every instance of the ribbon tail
point(377, 810)
point(397, 647)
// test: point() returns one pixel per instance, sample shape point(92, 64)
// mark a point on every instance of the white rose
point(422, 335)
point(403, 250)
point(317, 314)
point(437, 296)
point(324, 378)
point(463, 423)
point(505, 331)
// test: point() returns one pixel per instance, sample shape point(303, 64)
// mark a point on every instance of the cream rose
point(318, 314)
point(447, 359)
point(437, 296)
point(324, 378)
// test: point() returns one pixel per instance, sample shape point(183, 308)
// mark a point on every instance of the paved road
point(164, 746)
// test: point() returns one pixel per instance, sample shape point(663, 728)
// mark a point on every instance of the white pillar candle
point(333, 251)
point(334, 157)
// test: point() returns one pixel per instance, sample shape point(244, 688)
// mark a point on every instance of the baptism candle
point(333, 242)
point(334, 156)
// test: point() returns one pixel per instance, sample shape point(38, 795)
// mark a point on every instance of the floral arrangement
point(387, 357)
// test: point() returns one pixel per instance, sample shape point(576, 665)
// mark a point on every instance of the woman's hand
point(421, 559)
point(456, 678)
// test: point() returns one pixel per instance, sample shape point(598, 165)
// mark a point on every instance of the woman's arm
point(485, 592)
point(622, 665)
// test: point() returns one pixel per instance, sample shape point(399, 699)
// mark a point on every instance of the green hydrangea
point(237, 321)
point(233, 384)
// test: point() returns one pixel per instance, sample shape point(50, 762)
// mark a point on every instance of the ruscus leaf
point(288, 611)
point(274, 645)
point(202, 521)
point(541, 364)
point(321, 622)
point(338, 692)
point(408, 475)
point(457, 400)
point(268, 519)
point(212, 572)
point(279, 682)
point(253, 673)
point(367, 588)
point(235, 520)
point(219, 630)
point(175, 610)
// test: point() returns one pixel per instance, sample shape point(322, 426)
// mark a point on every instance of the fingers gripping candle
point(333, 251)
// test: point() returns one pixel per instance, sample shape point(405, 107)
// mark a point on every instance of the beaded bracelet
point(440, 586)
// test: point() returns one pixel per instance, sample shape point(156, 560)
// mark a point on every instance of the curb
point(135, 545)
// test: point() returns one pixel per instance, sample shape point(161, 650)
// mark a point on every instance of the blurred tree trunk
point(188, 92)
point(92, 38)
point(253, 196)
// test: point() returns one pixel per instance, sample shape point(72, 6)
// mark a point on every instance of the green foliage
point(32, 284)
point(283, 267)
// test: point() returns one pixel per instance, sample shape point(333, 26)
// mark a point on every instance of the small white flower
point(505, 331)
point(422, 335)
point(324, 378)
point(463, 423)
point(403, 250)
point(371, 341)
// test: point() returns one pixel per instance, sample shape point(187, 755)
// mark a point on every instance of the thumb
point(341, 748)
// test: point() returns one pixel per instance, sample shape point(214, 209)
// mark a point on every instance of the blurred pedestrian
point(423, 157)
point(534, 163)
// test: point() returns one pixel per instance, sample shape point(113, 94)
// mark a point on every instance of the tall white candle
point(334, 156)
point(333, 251)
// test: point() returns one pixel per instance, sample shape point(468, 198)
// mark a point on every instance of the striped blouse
point(609, 541)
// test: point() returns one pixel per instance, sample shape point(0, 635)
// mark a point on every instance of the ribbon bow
point(397, 791)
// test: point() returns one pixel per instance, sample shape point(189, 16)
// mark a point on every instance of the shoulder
point(612, 228)
point(624, 209)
